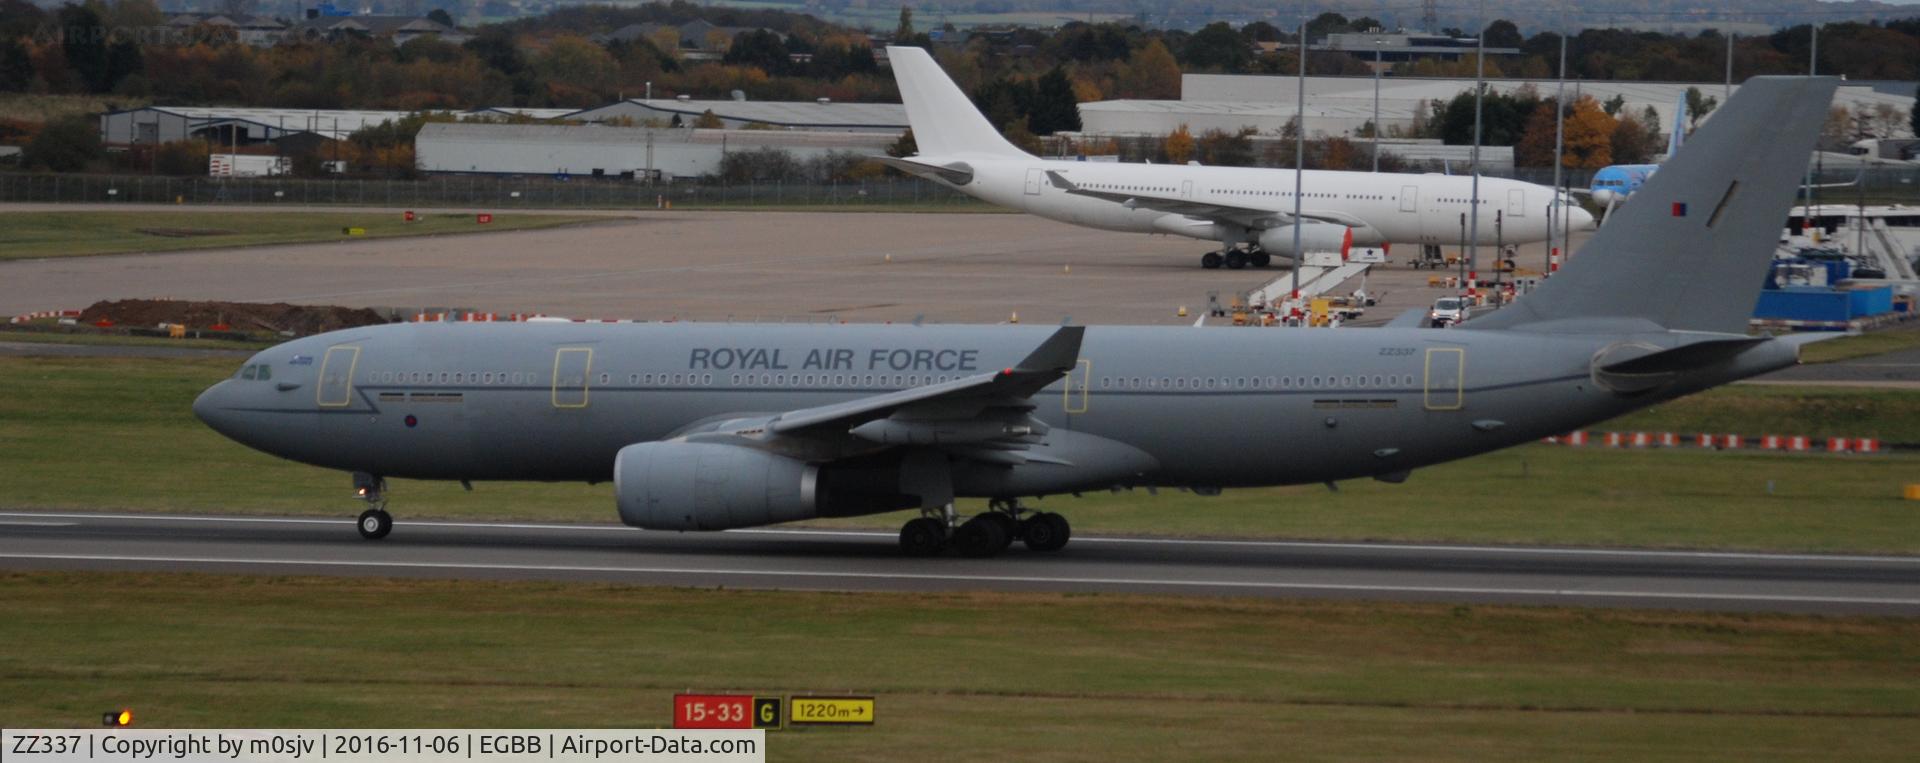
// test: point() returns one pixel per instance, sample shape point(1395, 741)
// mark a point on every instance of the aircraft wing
point(1045, 365)
point(1251, 217)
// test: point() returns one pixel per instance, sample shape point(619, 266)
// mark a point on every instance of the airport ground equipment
point(715, 426)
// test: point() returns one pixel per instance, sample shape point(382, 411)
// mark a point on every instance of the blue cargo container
point(1823, 305)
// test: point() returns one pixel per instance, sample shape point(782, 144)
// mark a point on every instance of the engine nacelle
point(711, 486)
point(1314, 237)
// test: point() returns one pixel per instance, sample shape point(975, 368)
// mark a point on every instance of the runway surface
point(868, 561)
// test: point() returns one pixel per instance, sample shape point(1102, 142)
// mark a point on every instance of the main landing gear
point(375, 522)
point(1235, 258)
point(985, 534)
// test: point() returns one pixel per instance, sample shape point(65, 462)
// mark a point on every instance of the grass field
point(1861, 345)
point(106, 433)
point(25, 235)
point(967, 676)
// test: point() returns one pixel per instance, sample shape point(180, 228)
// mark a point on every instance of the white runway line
point(1279, 544)
point(815, 574)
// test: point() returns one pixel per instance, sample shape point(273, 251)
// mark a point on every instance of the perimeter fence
point(469, 191)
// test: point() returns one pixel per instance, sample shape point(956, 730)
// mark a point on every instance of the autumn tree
point(1631, 142)
point(1535, 148)
point(1589, 136)
point(1151, 75)
point(1226, 149)
point(1178, 146)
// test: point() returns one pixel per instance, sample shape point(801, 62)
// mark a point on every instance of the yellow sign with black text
point(846, 710)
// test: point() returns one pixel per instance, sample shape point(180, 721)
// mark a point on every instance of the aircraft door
point(570, 368)
point(336, 377)
point(1078, 382)
point(1035, 177)
point(1186, 189)
point(1410, 198)
point(1446, 378)
point(1516, 203)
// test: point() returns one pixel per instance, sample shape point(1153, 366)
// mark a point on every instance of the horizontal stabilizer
point(957, 173)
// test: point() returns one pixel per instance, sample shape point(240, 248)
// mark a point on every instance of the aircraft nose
point(207, 406)
point(1581, 219)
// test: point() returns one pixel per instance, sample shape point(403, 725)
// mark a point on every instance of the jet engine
point(710, 486)
point(1314, 237)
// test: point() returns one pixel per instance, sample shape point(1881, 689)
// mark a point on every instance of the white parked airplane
point(1236, 206)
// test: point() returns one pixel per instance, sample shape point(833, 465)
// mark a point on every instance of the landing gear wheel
point(1211, 260)
point(1261, 259)
point(1009, 527)
point(923, 537)
point(374, 524)
point(1236, 259)
point(981, 537)
point(1046, 531)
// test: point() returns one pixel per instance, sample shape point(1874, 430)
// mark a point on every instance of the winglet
point(1056, 355)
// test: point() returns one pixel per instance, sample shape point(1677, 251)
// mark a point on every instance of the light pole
point(1299, 161)
point(1377, 42)
point(1558, 215)
point(1473, 204)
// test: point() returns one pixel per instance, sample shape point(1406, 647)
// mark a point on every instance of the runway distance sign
point(831, 710)
point(725, 711)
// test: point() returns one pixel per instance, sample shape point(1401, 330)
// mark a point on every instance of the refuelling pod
point(1314, 237)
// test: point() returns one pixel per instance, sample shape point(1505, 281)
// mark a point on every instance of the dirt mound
point(242, 316)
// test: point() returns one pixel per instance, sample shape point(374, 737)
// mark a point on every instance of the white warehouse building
point(601, 150)
point(1342, 105)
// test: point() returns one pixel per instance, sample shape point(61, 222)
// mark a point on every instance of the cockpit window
point(250, 372)
point(266, 372)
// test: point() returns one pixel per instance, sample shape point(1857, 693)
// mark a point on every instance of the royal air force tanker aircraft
point(716, 426)
point(1249, 211)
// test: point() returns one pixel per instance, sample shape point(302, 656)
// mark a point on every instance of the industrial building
point(1342, 105)
point(222, 124)
point(604, 150)
point(821, 115)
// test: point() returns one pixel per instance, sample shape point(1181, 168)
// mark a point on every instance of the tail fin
point(1679, 134)
point(1689, 252)
point(945, 123)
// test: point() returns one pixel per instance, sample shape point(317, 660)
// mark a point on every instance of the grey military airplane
point(716, 426)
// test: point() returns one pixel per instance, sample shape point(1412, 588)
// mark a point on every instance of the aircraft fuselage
point(1204, 407)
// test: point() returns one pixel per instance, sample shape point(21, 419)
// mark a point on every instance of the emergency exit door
point(1035, 177)
point(336, 377)
point(1078, 381)
point(570, 368)
point(1446, 378)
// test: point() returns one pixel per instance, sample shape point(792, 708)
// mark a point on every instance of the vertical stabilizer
point(1690, 250)
point(945, 122)
point(1679, 134)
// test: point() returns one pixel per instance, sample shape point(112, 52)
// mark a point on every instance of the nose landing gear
point(375, 522)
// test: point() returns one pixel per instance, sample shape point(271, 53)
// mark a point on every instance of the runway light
point(121, 718)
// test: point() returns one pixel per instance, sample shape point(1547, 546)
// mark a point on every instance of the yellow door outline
point(346, 384)
point(1082, 373)
point(586, 373)
point(1456, 394)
